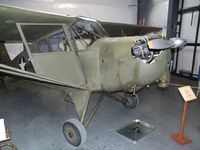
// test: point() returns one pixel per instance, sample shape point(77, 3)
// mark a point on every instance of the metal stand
point(186, 73)
point(180, 138)
point(198, 88)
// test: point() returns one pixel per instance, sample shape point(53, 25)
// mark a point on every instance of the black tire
point(74, 132)
point(131, 101)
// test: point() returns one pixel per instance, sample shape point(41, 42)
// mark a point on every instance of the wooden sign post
point(188, 96)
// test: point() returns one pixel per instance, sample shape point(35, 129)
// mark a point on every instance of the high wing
point(53, 75)
point(10, 15)
point(121, 29)
point(46, 51)
point(66, 69)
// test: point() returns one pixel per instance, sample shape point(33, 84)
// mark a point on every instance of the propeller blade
point(162, 44)
point(178, 42)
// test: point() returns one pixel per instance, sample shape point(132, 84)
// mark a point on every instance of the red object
point(180, 138)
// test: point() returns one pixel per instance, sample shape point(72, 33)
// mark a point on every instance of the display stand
point(188, 96)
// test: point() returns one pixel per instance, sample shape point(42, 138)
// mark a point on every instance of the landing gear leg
point(130, 101)
point(74, 130)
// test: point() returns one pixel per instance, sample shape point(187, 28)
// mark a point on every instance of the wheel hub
point(71, 134)
point(74, 132)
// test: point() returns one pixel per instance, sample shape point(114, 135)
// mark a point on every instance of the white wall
point(188, 32)
point(104, 10)
point(191, 3)
point(158, 13)
point(153, 12)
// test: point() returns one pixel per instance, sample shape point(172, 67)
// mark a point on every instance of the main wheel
point(131, 101)
point(74, 132)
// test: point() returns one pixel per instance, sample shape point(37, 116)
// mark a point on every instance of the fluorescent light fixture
point(45, 1)
point(64, 5)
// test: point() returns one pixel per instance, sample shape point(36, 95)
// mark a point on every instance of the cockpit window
point(86, 32)
point(45, 38)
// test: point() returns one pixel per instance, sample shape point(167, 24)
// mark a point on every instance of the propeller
point(146, 50)
point(178, 42)
point(162, 44)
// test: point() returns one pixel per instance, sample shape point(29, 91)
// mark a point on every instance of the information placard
point(187, 93)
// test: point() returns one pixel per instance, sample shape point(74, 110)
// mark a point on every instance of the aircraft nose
point(141, 51)
point(148, 50)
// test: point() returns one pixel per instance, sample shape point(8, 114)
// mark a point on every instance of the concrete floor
point(35, 115)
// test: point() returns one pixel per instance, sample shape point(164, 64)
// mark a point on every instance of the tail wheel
point(74, 132)
point(131, 101)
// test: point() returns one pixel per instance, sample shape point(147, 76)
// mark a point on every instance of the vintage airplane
point(77, 55)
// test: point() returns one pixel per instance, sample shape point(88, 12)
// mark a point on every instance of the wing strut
point(29, 75)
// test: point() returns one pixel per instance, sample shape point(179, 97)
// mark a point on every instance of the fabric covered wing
point(10, 15)
point(120, 29)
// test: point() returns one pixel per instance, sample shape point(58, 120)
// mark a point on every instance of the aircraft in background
point(77, 55)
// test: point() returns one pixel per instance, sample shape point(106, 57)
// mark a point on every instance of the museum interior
point(99, 74)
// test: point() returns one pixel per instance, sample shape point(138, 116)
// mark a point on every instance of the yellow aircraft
point(77, 55)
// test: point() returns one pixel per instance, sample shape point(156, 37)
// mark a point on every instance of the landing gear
point(74, 132)
point(130, 101)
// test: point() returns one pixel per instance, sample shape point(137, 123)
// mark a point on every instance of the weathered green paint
point(80, 99)
point(29, 75)
point(10, 15)
point(106, 65)
point(118, 70)
point(61, 66)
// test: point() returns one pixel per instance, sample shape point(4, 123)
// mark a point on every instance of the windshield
point(86, 32)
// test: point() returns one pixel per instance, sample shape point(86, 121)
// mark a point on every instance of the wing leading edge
point(121, 29)
point(10, 15)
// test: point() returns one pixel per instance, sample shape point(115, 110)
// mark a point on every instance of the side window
point(43, 46)
point(45, 38)
point(82, 38)
point(59, 42)
point(85, 32)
